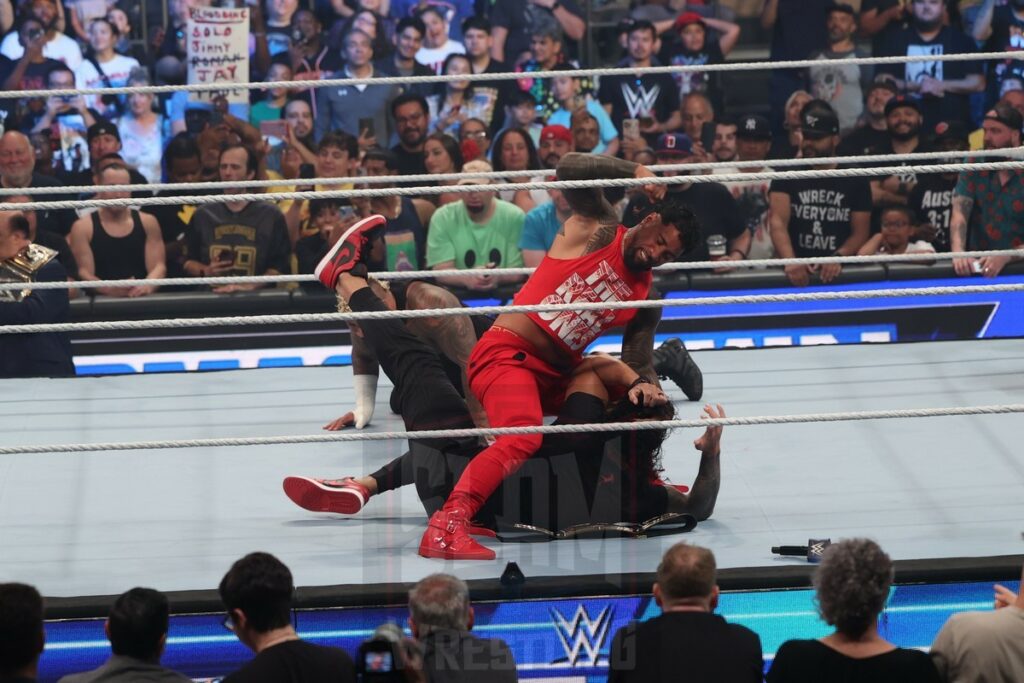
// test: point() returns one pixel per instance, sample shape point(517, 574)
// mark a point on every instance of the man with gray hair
point(441, 619)
point(687, 636)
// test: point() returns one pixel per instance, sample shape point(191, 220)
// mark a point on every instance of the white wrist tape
point(366, 398)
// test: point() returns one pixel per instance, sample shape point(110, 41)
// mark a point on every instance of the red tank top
point(599, 276)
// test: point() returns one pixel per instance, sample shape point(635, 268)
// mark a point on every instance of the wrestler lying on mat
point(596, 477)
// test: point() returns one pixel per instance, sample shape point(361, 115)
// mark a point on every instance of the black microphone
point(813, 551)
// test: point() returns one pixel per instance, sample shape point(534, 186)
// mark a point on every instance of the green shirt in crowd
point(454, 237)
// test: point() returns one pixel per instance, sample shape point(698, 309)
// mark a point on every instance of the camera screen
point(378, 662)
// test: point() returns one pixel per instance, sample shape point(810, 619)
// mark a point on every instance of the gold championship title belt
point(23, 268)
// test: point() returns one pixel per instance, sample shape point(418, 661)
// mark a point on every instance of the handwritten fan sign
point(218, 52)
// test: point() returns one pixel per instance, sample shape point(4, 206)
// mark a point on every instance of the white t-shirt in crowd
point(434, 56)
point(917, 247)
point(117, 71)
point(61, 48)
point(142, 148)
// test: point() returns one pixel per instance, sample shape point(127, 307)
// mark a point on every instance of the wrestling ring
point(165, 479)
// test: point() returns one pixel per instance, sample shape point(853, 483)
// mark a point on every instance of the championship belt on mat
point(23, 268)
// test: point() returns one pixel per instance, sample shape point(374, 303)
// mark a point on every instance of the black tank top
point(119, 258)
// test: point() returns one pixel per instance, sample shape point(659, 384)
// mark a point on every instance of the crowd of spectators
point(852, 586)
point(523, 126)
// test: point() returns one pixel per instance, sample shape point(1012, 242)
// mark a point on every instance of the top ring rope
point(774, 164)
point(504, 431)
point(294, 318)
point(422, 274)
point(500, 187)
point(514, 75)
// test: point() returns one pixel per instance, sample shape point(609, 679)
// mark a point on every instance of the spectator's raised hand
point(1004, 597)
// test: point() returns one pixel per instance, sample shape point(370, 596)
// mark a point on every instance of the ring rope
point(499, 187)
point(513, 75)
point(293, 318)
point(507, 431)
point(441, 177)
point(453, 272)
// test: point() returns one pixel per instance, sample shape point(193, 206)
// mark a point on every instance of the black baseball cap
point(902, 101)
point(102, 128)
point(753, 127)
point(1006, 115)
point(818, 120)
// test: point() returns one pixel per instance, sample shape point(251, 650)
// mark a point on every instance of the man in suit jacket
point(46, 354)
point(441, 619)
point(688, 637)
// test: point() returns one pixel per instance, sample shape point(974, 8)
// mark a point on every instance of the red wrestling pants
point(516, 389)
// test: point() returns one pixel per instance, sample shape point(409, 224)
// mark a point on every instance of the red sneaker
point(447, 538)
point(343, 496)
point(347, 252)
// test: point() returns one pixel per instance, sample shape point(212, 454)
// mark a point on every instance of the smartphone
point(707, 135)
point(976, 267)
point(307, 171)
point(631, 128)
point(274, 129)
point(346, 212)
point(366, 128)
point(226, 255)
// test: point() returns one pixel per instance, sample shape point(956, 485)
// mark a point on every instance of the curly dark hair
point(681, 217)
point(852, 584)
point(642, 446)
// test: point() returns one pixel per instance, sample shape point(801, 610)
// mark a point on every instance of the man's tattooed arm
point(591, 202)
point(638, 341)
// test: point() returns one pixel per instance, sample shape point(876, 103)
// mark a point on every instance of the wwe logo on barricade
point(583, 637)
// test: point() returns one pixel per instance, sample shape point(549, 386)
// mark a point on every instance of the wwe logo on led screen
point(582, 638)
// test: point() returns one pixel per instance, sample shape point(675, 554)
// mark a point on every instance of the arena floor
point(97, 524)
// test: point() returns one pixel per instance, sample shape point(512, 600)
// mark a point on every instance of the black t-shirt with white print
point(821, 210)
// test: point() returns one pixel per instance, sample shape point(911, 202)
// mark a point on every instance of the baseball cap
point(687, 18)
point(102, 128)
point(902, 101)
point(754, 127)
point(674, 143)
point(950, 130)
point(1006, 115)
point(476, 166)
point(556, 132)
point(818, 120)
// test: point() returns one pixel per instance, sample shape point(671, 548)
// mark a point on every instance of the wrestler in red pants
point(522, 365)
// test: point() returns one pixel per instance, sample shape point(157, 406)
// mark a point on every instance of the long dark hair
point(442, 88)
point(532, 160)
point(641, 447)
point(451, 146)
